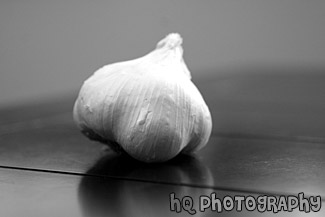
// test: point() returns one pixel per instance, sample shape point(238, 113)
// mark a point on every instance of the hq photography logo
point(263, 203)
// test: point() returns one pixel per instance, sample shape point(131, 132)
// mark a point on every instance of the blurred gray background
point(48, 48)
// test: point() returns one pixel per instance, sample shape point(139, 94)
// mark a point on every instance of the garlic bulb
point(147, 106)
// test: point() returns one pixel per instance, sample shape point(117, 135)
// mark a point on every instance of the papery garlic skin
point(148, 106)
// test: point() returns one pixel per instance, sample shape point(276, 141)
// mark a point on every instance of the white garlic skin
point(148, 106)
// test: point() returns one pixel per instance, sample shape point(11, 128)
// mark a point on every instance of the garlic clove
point(148, 106)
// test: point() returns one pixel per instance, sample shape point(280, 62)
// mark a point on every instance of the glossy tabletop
point(268, 139)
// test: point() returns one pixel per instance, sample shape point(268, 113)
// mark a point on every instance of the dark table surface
point(268, 139)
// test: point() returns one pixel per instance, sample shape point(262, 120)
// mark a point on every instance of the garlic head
point(148, 106)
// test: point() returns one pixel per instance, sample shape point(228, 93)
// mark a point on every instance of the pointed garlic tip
point(171, 41)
